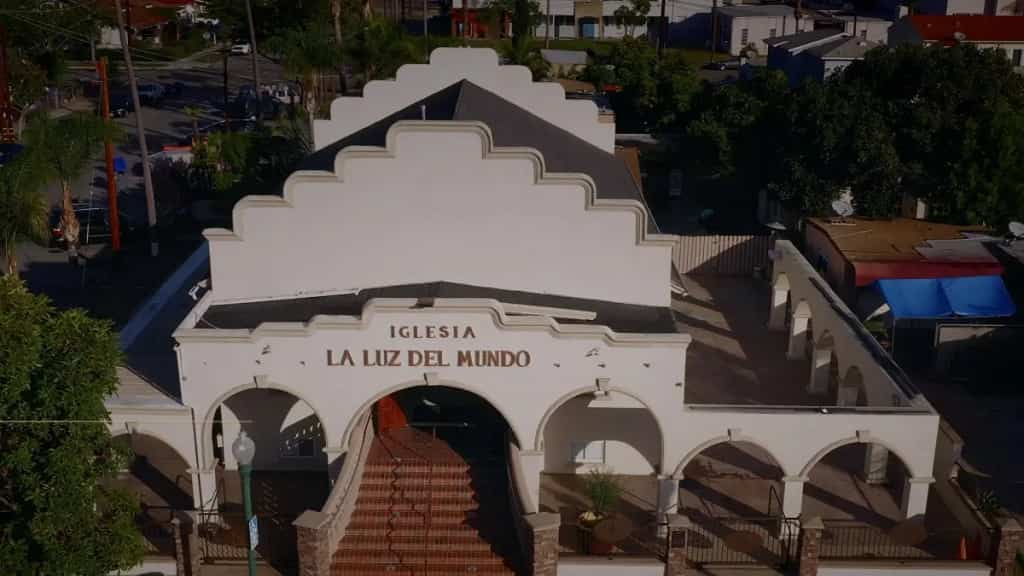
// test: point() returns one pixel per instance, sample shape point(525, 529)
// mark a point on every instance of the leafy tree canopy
point(941, 124)
point(56, 514)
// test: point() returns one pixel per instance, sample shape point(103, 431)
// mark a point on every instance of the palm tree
point(378, 48)
point(24, 213)
point(66, 146)
point(193, 113)
point(307, 52)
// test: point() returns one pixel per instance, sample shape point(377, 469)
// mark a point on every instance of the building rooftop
point(619, 317)
point(801, 39)
point(511, 126)
point(844, 48)
point(565, 57)
point(900, 239)
point(755, 10)
point(968, 28)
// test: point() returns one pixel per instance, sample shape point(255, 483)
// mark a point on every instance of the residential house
point(1004, 33)
point(753, 25)
point(816, 54)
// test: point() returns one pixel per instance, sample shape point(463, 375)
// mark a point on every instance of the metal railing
point(157, 533)
point(853, 540)
point(224, 537)
point(767, 541)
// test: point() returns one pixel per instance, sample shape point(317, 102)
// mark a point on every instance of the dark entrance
point(462, 420)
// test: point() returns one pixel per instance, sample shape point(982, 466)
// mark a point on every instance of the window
point(864, 33)
point(1018, 57)
point(587, 452)
point(771, 33)
point(744, 36)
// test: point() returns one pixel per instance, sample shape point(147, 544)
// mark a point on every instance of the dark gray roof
point(845, 48)
point(511, 126)
point(632, 318)
point(794, 41)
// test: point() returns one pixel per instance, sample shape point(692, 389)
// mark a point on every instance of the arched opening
point(609, 436)
point(467, 423)
point(160, 476)
point(433, 487)
point(736, 479)
point(864, 483)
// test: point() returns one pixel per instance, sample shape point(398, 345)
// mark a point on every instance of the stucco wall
point(563, 362)
point(896, 569)
point(449, 65)
point(274, 420)
point(758, 30)
point(631, 436)
point(400, 216)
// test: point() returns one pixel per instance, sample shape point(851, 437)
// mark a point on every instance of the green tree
point(308, 52)
point(57, 514)
point(24, 213)
point(377, 47)
point(633, 15)
point(67, 145)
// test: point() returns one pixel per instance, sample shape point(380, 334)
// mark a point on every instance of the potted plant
point(603, 490)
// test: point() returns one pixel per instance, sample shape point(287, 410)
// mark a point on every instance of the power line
point(77, 36)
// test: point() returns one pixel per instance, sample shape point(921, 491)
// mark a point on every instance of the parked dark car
point(174, 89)
point(120, 105)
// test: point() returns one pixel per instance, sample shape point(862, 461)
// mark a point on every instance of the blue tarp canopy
point(971, 296)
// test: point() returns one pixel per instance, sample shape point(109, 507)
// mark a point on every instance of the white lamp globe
point(244, 449)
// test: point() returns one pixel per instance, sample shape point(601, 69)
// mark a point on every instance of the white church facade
point(465, 242)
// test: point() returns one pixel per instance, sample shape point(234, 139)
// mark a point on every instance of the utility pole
point(547, 26)
point(147, 176)
point(662, 31)
point(426, 35)
point(255, 62)
point(227, 93)
point(108, 153)
point(714, 29)
point(6, 110)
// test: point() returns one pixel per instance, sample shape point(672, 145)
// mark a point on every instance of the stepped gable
point(479, 65)
point(511, 127)
point(422, 509)
point(440, 203)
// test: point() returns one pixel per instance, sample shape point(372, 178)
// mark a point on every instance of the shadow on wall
point(160, 474)
point(288, 435)
point(578, 437)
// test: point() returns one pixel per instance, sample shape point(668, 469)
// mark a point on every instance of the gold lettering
point(443, 332)
point(415, 358)
point(430, 331)
point(468, 333)
point(464, 358)
point(403, 331)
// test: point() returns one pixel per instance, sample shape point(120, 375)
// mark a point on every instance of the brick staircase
point(423, 510)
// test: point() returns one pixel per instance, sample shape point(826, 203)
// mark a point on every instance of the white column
point(792, 496)
point(915, 496)
point(532, 462)
point(821, 362)
point(204, 489)
point(777, 313)
point(876, 464)
point(797, 337)
point(668, 496)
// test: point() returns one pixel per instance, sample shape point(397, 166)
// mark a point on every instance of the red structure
point(478, 26)
point(389, 414)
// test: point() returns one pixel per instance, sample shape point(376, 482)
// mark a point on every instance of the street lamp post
point(244, 449)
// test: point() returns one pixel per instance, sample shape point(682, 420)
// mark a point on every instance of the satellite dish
point(843, 208)
point(1017, 230)
point(776, 226)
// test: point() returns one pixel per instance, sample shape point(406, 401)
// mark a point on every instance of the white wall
point(632, 438)
point(928, 568)
point(564, 362)
point(603, 566)
point(758, 30)
point(877, 30)
point(440, 204)
point(479, 65)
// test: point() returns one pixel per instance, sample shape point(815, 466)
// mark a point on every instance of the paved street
point(46, 269)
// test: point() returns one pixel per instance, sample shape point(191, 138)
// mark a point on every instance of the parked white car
point(243, 48)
